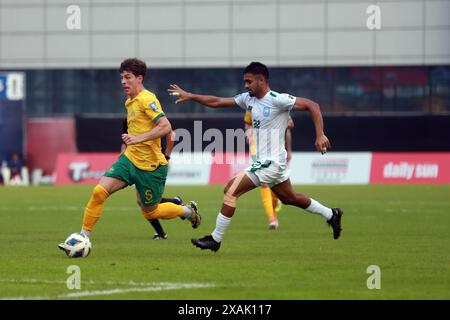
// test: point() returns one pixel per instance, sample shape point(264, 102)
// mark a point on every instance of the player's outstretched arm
point(209, 101)
point(322, 143)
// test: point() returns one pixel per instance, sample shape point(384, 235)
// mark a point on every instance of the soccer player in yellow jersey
point(170, 142)
point(269, 199)
point(143, 163)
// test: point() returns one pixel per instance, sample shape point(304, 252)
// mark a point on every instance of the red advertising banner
point(82, 168)
point(408, 167)
point(59, 137)
point(430, 167)
point(226, 165)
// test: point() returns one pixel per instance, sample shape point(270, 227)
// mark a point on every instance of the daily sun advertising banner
point(305, 168)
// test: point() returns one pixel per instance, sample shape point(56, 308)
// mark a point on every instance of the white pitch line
point(91, 282)
point(75, 208)
point(161, 286)
point(174, 286)
point(32, 281)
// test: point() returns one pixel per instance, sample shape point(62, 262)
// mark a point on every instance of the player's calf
point(294, 199)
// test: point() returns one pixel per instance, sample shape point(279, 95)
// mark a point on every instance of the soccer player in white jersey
point(270, 114)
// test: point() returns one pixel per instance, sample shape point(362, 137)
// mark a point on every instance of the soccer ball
point(76, 245)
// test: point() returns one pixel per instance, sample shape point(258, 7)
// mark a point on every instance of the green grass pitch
point(403, 229)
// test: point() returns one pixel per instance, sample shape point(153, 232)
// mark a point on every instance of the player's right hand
point(322, 144)
point(176, 91)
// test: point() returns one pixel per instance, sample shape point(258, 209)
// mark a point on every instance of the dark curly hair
point(257, 68)
point(135, 66)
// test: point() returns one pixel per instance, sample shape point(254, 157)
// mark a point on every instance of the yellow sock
point(166, 210)
point(266, 197)
point(94, 208)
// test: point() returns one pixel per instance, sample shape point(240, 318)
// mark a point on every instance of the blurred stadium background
point(379, 90)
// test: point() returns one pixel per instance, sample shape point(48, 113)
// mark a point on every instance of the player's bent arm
point(290, 124)
point(314, 110)
point(209, 101)
point(288, 142)
point(162, 128)
point(322, 142)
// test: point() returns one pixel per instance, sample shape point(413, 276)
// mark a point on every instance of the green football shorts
point(149, 184)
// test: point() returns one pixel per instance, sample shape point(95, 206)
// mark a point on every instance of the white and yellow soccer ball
point(76, 245)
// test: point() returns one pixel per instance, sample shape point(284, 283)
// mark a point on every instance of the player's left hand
point(322, 144)
point(128, 139)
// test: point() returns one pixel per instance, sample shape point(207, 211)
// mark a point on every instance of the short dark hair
point(135, 66)
point(257, 68)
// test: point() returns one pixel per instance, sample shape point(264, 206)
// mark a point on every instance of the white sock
point(222, 224)
point(187, 212)
point(316, 207)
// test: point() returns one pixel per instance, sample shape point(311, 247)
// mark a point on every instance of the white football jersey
point(270, 116)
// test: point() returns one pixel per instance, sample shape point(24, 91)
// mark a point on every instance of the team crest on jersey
point(266, 111)
point(153, 106)
point(249, 108)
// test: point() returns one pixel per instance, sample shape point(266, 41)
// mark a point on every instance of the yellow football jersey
point(142, 113)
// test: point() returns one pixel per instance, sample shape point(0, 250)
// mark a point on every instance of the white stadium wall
point(175, 33)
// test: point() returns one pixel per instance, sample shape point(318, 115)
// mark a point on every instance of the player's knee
point(229, 198)
point(150, 209)
point(149, 212)
point(227, 187)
